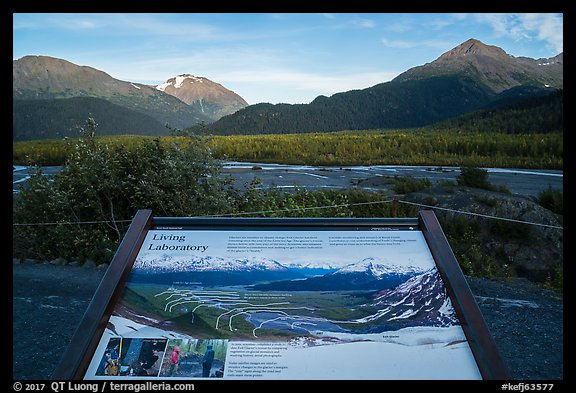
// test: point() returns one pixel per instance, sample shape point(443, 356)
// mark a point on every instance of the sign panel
point(364, 300)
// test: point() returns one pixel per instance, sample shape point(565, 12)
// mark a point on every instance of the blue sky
point(290, 58)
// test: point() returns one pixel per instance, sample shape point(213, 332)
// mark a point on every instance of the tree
point(474, 177)
point(100, 188)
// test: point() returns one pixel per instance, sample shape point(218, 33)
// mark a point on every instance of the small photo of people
point(194, 358)
point(135, 357)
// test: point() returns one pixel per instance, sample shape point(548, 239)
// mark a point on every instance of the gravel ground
point(527, 325)
point(49, 301)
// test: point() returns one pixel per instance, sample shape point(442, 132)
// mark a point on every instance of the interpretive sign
point(288, 299)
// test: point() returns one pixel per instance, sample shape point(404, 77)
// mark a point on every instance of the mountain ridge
point(493, 66)
point(463, 79)
point(421, 300)
point(48, 78)
point(368, 273)
point(208, 97)
point(168, 263)
point(375, 268)
point(112, 119)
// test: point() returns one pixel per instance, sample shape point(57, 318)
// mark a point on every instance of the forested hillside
point(407, 104)
point(526, 134)
point(541, 114)
point(467, 78)
point(470, 77)
point(392, 105)
point(140, 108)
point(68, 115)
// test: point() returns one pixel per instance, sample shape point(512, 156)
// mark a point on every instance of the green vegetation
point(552, 199)
point(477, 178)
point(84, 212)
point(405, 104)
point(465, 236)
point(377, 147)
point(523, 134)
point(540, 114)
point(108, 184)
point(405, 147)
point(211, 321)
point(66, 117)
point(409, 184)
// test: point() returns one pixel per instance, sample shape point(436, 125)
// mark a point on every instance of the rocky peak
point(211, 98)
point(475, 48)
point(491, 67)
point(51, 76)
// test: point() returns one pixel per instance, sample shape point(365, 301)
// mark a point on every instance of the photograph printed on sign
point(292, 304)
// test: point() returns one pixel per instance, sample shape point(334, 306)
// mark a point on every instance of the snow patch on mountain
point(421, 300)
point(163, 86)
point(311, 265)
point(372, 266)
point(377, 268)
point(168, 263)
point(178, 81)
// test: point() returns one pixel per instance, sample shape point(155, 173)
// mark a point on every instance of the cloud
point(539, 26)
point(284, 85)
point(123, 24)
point(364, 23)
point(547, 27)
point(277, 84)
point(410, 44)
point(401, 44)
point(528, 27)
point(322, 83)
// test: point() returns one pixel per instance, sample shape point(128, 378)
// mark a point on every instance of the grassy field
point(375, 147)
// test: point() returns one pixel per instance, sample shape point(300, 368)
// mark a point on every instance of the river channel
point(527, 182)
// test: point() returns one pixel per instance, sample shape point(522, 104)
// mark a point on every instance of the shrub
point(104, 186)
point(408, 184)
point(552, 199)
point(478, 178)
point(474, 177)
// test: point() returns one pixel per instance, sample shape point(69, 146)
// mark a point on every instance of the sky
point(275, 58)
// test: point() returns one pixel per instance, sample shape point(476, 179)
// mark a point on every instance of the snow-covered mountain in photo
point(187, 263)
point(320, 265)
point(420, 301)
point(377, 268)
point(371, 273)
point(367, 274)
point(208, 271)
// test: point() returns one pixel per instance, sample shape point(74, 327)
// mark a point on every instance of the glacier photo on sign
point(294, 304)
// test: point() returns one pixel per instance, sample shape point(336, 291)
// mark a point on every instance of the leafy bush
point(510, 230)
point(478, 178)
point(465, 237)
point(474, 177)
point(105, 186)
point(552, 199)
point(408, 184)
point(272, 202)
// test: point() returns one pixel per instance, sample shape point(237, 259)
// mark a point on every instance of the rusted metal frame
point(78, 354)
point(489, 361)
